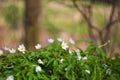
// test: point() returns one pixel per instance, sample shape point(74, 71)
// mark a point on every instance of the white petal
point(70, 51)
point(65, 69)
point(87, 71)
point(21, 48)
point(40, 61)
point(77, 51)
point(71, 41)
point(59, 39)
point(10, 77)
point(108, 71)
point(50, 40)
point(84, 58)
point(38, 46)
point(38, 68)
point(64, 45)
point(1, 52)
point(61, 60)
point(6, 48)
point(12, 50)
point(79, 57)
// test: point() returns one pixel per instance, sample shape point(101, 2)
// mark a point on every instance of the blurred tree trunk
point(31, 23)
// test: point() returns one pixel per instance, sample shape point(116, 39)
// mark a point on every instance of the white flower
point(40, 61)
point(71, 41)
point(12, 50)
point(6, 48)
point(64, 45)
point(1, 52)
point(105, 66)
point(78, 54)
point(61, 60)
point(79, 57)
point(38, 68)
point(21, 48)
point(50, 40)
point(59, 39)
point(108, 71)
point(65, 69)
point(38, 46)
point(84, 58)
point(70, 51)
point(10, 77)
point(77, 51)
point(87, 71)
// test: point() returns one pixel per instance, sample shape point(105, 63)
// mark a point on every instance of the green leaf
point(50, 61)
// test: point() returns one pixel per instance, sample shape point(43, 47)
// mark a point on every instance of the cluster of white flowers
point(64, 46)
point(79, 57)
point(22, 48)
point(12, 50)
point(78, 54)
point(8, 49)
point(38, 68)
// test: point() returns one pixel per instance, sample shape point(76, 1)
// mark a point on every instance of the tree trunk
point(31, 23)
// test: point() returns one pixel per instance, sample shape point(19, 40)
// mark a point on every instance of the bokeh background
point(96, 20)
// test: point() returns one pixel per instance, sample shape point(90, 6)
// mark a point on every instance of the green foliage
point(59, 64)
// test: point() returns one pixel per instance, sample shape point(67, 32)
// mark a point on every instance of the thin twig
point(90, 25)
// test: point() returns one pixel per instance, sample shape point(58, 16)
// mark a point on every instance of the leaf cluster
point(59, 64)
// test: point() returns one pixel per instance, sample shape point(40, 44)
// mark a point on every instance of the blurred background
point(35, 21)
